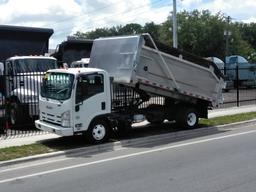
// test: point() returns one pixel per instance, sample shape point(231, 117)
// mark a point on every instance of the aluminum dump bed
point(137, 61)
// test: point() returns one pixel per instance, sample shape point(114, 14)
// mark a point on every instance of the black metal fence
point(240, 86)
point(19, 96)
point(19, 107)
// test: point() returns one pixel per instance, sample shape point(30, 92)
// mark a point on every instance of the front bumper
point(67, 131)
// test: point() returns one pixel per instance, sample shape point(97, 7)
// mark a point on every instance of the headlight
point(65, 119)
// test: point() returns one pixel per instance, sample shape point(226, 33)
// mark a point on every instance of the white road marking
point(116, 148)
point(126, 156)
point(45, 162)
point(35, 164)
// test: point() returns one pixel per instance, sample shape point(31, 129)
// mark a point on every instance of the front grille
point(51, 118)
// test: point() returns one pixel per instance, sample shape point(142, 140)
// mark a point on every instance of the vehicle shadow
point(167, 133)
point(146, 136)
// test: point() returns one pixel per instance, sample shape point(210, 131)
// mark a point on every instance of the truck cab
point(72, 99)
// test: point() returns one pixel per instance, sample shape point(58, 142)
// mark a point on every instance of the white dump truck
point(129, 80)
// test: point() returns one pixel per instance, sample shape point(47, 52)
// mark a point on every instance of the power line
point(70, 18)
point(120, 13)
point(129, 13)
point(98, 10)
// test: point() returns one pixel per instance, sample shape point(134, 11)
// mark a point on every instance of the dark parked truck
point(129, 73)
point(22, 41)
point(72, 50)
point(22, 51)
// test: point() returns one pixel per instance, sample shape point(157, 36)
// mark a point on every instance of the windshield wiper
point(62, 90)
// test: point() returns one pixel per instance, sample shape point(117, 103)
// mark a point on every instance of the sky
point(68, 16)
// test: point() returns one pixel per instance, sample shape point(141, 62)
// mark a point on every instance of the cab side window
point(95, 84)
point(88, 86)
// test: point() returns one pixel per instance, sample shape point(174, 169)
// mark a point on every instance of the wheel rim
point(191, 120)
point(99, 132)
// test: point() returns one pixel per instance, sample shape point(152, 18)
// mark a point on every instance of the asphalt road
point(216, 161)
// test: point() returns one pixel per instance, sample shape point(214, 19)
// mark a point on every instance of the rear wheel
point(123, 128)
point(154, 119)
point(98, 131)
point(155, 114)
point(187, 118)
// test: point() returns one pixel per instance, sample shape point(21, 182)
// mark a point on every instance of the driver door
point(90, 101)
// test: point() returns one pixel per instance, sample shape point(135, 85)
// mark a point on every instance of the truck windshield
point(57, 86)
point(34, 65)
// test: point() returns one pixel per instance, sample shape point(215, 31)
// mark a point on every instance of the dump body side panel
point(118, 56)
point(192, 79)
point(130, 62)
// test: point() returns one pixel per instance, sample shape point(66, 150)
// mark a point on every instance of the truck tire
point(16, 114)
point(154, 119)
point(187, 118)
point(98, 131)
point(155, 115)
point(123, 128)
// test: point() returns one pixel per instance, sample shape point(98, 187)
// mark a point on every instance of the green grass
point(38, 148)
point(227, 119)
point(23, 151)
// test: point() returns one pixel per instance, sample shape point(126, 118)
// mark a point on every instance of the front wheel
point(98, 131)
point(16, 114)
point(187, 118)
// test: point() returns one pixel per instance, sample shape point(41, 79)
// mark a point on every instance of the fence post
point(237, 86)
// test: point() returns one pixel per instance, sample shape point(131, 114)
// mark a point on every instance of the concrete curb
point(112, 146)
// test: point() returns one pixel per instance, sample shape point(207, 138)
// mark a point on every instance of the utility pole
point(174, 23)
point(227, 34)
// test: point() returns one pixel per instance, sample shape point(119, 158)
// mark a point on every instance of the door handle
point(103, 105)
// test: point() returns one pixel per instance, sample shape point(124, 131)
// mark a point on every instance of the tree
point(238, 45)
point(128, 29)
point(131, 29)
point(199, 32)
point(100, 32)
point(165, 35)
point(152, 29)
point(248, 34)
